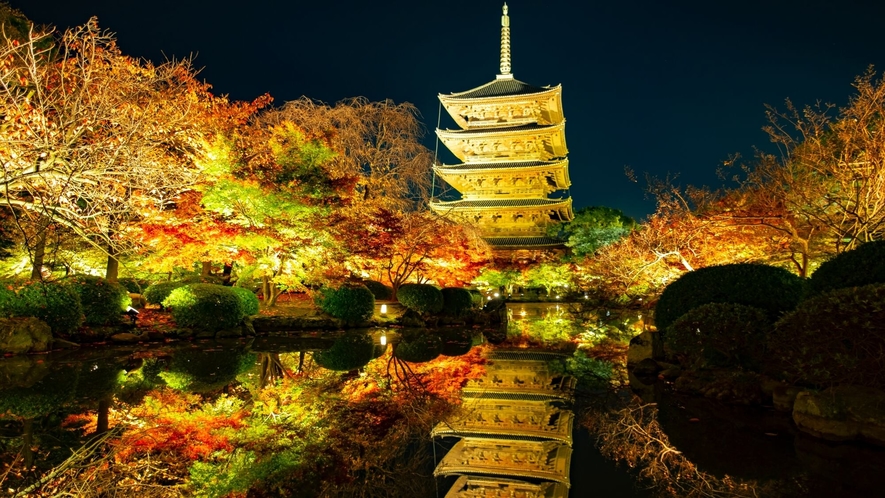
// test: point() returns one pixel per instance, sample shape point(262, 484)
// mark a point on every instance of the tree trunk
point(28, 443)
point(104, 407)
point(207, 269)
point(270, 291)
point(113, 269)
point(226, 273)
point(39, 254)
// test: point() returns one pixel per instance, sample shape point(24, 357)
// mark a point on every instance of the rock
point(24, 335)
point(23, 371)
point(125, 338)
point(231, 332)
point(671, 373)
point(138, 301)
point(647, 366)
point(63, 344)
point(640, 348)
point(784, 397)
point(248, 327)
point(205, 334)
point(842, 413)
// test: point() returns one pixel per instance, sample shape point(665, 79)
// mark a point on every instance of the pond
point(386, 412)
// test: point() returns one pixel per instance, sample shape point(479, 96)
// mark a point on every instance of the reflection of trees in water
point(628, 431)
point(349, 352)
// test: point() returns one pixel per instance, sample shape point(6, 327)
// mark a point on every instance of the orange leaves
point(172, 422)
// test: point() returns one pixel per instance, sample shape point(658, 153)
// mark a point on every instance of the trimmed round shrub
point(351, 303)
point(456, 342)
point(832, 339)
point(349, 352)
point(103, 302)
point(205, 306)
point(199, 371)
point(248, 300)
point(720, 335)
point(418, 348)
point(134, 285)
point(423, 298)
point(862, 266)
point(772, 289)
point(55, 303)
point(456, 301)
point(157, 293)
point(202, 279)
point(380, 291)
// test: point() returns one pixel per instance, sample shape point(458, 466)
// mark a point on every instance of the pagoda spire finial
point(505, 42)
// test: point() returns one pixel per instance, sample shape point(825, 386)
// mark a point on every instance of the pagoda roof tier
point(503, 86)
point(510, 418)
point(469, 486)
point(523, 242)
point(548, 460)
point(518, 179)
point(521, 143)
point(504, 103)
point(502, 203)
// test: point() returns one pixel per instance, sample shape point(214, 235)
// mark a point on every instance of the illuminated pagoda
point(511, 143)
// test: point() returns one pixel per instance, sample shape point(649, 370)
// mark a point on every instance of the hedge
point(157, 293)
point(380, 291)
point(248, 300)
point(55, 303)
point(832, 339)
point(772, 289)
point(456, 301)
point(351, 303)
point(103, 302)
point(720, 335)
point(423, 298)
point(862, 266)
point(205, 306)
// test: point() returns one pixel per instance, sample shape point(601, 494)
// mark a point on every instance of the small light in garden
point(586, 296)
point(384, 338)
point(557, 297)
point(489, 298)
point(497, 295)
point(132, 313)
point(383, 312)
point(522, 313)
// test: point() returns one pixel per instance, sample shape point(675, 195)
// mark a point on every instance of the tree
point(549, 276)
point(91, 137)
point(592, 228)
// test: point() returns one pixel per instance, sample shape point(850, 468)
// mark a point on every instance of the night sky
point(662, 86)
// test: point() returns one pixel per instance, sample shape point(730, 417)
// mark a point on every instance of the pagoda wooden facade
point(512, 146)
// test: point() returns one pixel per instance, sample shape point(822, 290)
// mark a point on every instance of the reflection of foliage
point(590, 372)
point(456, 301)
point(97, 380)
point(456, 342)
point(418, 347)
point(205, 306)
point(861, 266)
point(49, 393)
point(351, 303)
point(139, 382)
point(630, 433)
point(552, 329)
point(103, 302)
point(834, 338)
point(720, 335)
point(196, 370)
point(772, 289)
point(349, 352)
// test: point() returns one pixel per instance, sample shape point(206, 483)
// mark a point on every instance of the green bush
point(772, 289)
point(477, 298)
point(8, 300)
point(157, 293)
point(380, 291)
point(418, 347)
point(202, 279)
point(351, 303)
point(103, 302)
point(349, 352)
point(720, 335)
point(456, 301)
point(205, 306)
point(422, 298)
point(55, 303)
point(863, 266)
point(196, 370)
point(134, 285)
point(835, 338)
point(248, 300)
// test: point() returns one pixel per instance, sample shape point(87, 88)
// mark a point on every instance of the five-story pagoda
point(512, 147)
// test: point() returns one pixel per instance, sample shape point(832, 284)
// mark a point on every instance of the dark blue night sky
point(660, 86)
